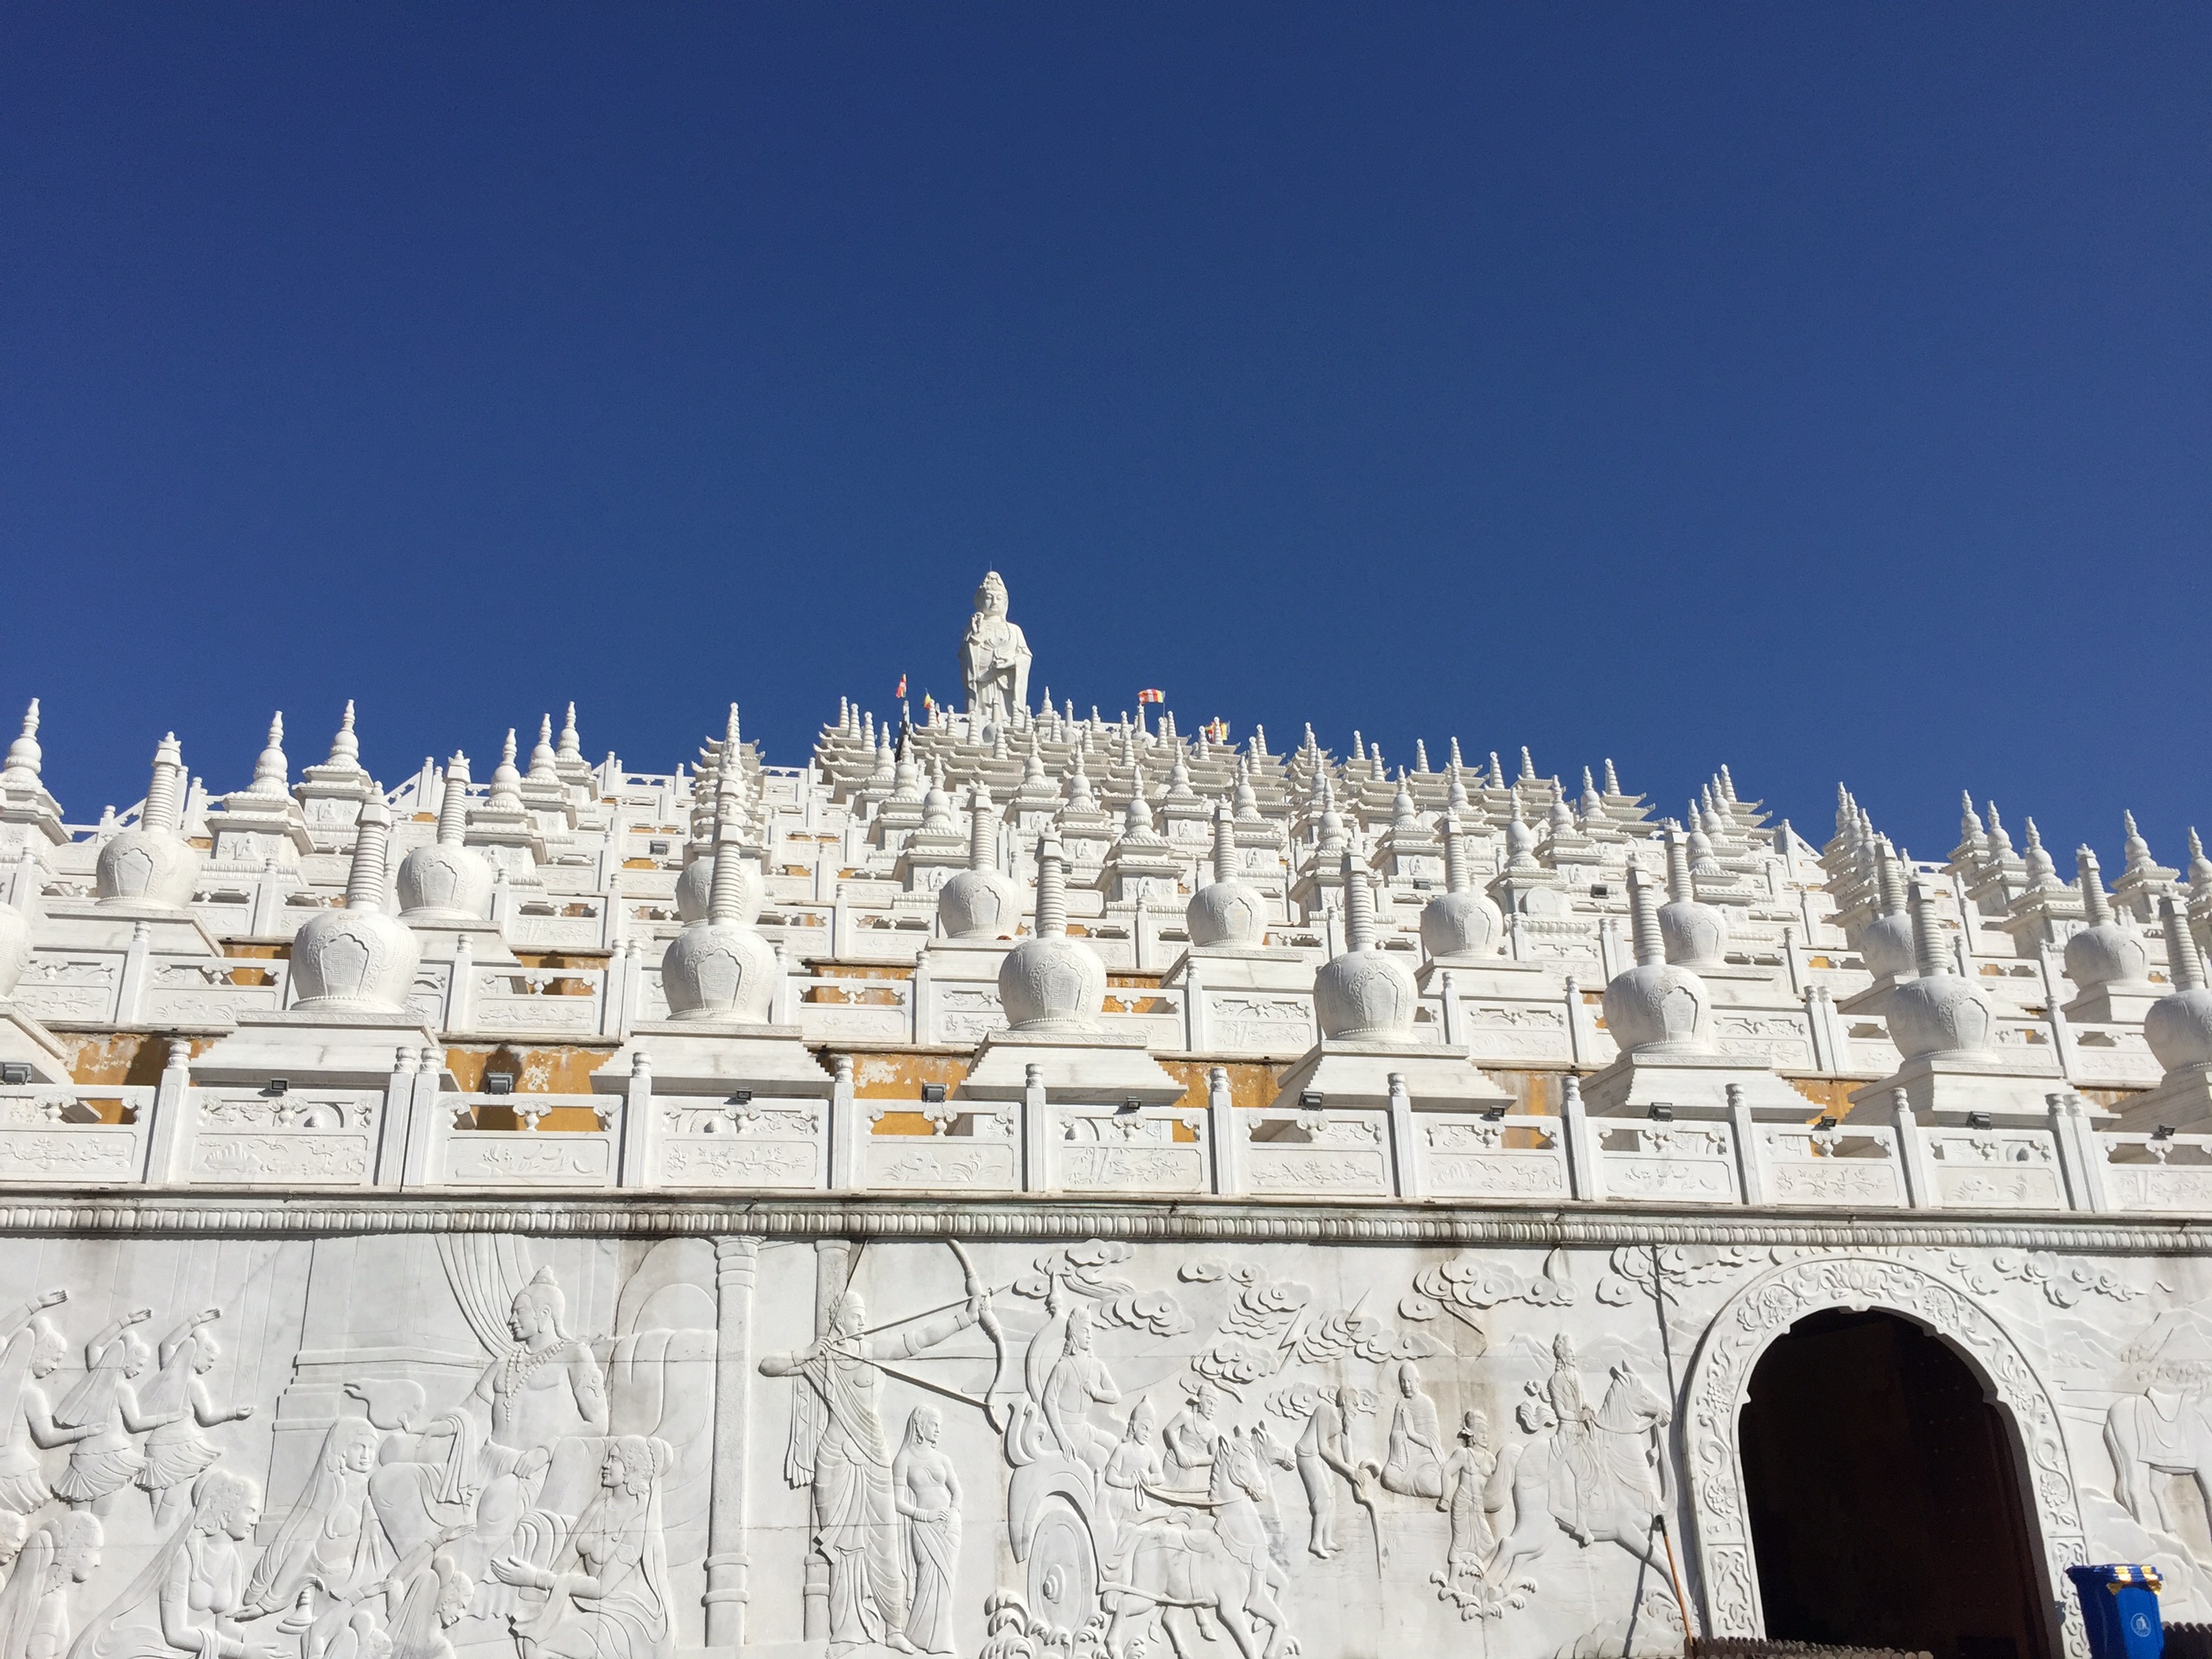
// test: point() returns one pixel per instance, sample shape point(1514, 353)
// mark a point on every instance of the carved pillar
point(422, 1154)
point(734, 1262)
point(1585, 1173)
point(833, 1268)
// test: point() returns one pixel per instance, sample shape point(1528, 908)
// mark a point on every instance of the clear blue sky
point(1820, 389)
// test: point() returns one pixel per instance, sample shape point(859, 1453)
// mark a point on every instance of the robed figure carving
point(994, 658)
point(837, 1449)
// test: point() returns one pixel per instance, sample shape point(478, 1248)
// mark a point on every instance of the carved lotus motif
point(2107, 953)
point(2179, 1029)
point(442, 880)
point(1885, 946)
point(15, 948)
point(136, 867)
point(695, 886)
point(1365, 995)
point(354, 959)
point(719, 971)
point(979, 905)
point(1465, 923)
point(1226, 913)
point(1054, 983)
point(1940, 1014)
point(1660, 1006)
point(1695, 935)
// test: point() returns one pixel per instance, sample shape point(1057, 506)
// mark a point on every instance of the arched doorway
point(1882, 1492)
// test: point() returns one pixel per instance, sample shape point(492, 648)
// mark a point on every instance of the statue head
point(847, 1315)
point(1078, 1334)
point(1474, 1428)
point(990, 598)
point(1408, 1380)
point(206, 1351)
point(227, 1503)
point(14, 1528)
point(350, 1448)
point(632, 1463)
point(136, 1356)
point(1140, 1428)
point(1202, 1401)
point(455, 1590)
point(1563, 1349)
point(48, 1348)
point(924, 1424)
point(538, 1309)
point(77, 1542)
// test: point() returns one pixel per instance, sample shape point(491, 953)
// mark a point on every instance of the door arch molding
point(1719, 1383)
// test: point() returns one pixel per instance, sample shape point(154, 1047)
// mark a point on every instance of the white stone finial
point(1643, 919)
point(452, 804)
point(365, 879)
point(2041, 873)
point(1497, 779)
point(345, 744)
point(2094, 905)
point(24, 755)
point(506, 782)
point(1051, 890)
point(1049, 981)
point(1612, 783)
point(1527, 766)
point(1259, 747)
point(2139, 861)
point(164, 793)
point(1225, 911)
point(268, 770)
point(570, 746)
point(542, 766)
point(1421, 755)
point(2001, 843)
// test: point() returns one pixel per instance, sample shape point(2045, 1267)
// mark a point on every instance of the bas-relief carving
point(1125, 1449)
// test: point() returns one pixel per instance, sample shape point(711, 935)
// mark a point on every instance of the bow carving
point(986, 1316)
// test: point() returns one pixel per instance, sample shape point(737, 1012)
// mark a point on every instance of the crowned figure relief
point(994, 658)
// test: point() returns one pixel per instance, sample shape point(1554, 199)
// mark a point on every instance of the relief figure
point(330, 1550)
point(837, 1449)
point(190, 1595)
point(176, 1405)
point(32, 1351)
point(103, 1460)
point(34, 1604)
point(607, 1595)
point(926, 1489)
point(1414, 1464)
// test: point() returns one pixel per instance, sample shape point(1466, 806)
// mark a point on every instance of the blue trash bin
point(2120, 1604)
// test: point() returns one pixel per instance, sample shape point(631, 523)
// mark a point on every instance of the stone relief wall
point(353, 1447)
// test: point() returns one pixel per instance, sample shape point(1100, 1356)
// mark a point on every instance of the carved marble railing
point(68, 1135)
point(417, 1132)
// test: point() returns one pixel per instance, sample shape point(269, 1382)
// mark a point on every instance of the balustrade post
point(398, 1106)
point(848, 1129)
point(422, 1126)
point(2079, 1154)
point(1225, 1132)
point(461, 988)
point(1036, 1133)
point(639, 1132)
point(169, 1135)
point(1405, 1152)
point(130, 983)
point(1750, 1169)
point(1912, 1155)
point(1455, 1017)
point(1586, 1175)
